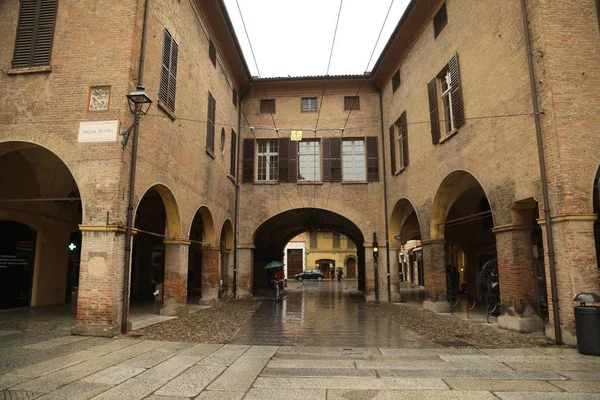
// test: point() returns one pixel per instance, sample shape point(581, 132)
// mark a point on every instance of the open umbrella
point(486, 270)
point(274, 264)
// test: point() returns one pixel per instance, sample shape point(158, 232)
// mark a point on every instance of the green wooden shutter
point(248, 161)
point(35, 33)
point(433, 111)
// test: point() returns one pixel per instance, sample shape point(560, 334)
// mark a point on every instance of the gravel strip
point(445, 328)
point(217, 324)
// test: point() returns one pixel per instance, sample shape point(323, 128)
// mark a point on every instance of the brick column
point(100, 294)
point(517, 279)
point(576, 268)
point(245, 261)
point(434, 270)
point(211, 265)
point(176, 277)
point(394, 268)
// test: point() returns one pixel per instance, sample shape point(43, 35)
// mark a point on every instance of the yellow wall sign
point(296, 136)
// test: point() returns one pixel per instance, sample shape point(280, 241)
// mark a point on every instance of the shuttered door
point(404, 130)
point(433, 111)
point(210, 124)
point(393, 149)
point(332, 159)
point(457, 102)
point(35, 33)
point(284, 159)
point(372, 159)
point(248, 161)
point(232, 169)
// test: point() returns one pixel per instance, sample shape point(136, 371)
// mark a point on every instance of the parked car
point(309, 274)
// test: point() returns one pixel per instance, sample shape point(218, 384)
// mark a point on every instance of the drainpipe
point(385, 200)
point(237, 195)
point(136, 130)
point(540, 146)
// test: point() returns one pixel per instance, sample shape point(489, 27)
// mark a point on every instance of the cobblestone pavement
point(71, 367)
point(326, 313)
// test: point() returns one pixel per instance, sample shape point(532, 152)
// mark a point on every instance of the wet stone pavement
point(326, 313)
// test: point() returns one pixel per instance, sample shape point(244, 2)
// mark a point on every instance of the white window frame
point(357, 157)
point(310, 101)
point(445, 79)
point(268, 171)
point(309, 160)
point(399, 148)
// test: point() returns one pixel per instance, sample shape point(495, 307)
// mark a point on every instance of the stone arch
point(173, 217)
point(403, 211)
point(226, 235)
point(452, 187)
point(208, 227)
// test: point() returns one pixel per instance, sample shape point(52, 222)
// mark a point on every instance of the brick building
point(438, 144)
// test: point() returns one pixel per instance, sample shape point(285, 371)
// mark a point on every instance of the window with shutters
point(35, 33)
point(309, 104)
point(332, 159)
point(212, 53)
point(399, 144)
point(168, 75)
point(372, 159)
point(309, 161)
point(267, 160)
point(336, 240)
point(267, 106)
point(232, 158)
point(351, 103)
point(445, 102)
point(313, 240)
point(353, 160)
point(396, 81)
point(440, 20)
point(210, 125)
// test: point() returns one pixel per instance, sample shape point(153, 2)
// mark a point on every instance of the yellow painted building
point(326, 249)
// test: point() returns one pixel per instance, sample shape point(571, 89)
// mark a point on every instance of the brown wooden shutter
point(404, 130)
point(232, 169)
point(248, 161)
point(163, 93)
point(372, 159)
point(326, 160)
point(35, 33)
point(212, 53)
point(284, 159)
point(458, 110)
point(393, 148)
point(293, 162)
point(433, 111)
point(173, 75)
point(332, 159)
point(210, 124)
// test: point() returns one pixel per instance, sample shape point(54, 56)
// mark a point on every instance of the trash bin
point(587, 324)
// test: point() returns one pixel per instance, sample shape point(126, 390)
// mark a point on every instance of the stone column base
point(96, 330)
point(436, 306)
point(569, 337)
point(521, 324)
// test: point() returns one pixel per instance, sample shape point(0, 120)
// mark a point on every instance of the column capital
point(102, 228)
point(511, 228)
point(249, 246)
point(211, 248)
point(569, 218)
point(177, 241)
point(427, 242)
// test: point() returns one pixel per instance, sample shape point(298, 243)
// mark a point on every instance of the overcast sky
point(294, 38)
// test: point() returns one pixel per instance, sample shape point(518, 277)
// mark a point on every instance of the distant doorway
point(17, 254)
point(294, 262)
point(351, 267)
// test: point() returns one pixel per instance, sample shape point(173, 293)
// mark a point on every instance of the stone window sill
point(354, 182)
point(31, 70)
point(164, 108)
point(449, 135)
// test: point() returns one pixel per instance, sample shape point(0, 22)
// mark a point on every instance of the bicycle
point(277, 289)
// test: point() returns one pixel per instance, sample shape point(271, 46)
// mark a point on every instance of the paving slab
point(77, 390)
point(212, 395)
point(424, 365)
point(240, 375)
point(578, 386)
point(17, 395)
point(502, 359)
point(114, 375)
point(408, 395)
point(582, 375)
point(545, 396)
point(287, 394)
point(364, 383)
point(261, 351)
point(55, 364)
point(157, 355)
point(7, 332)
point(9, 380)
point(225, 356)
point(312, 350)
point(191, 382)
point(322, 364)
point(202, 349)
point(169, 369)
point(48, 344)
point(501, 385)
point(133, 389)
point(550, 366)
point(116, 344)
point(512, 352)
point(472, 374)
point(155, 397)
point(400, 353)
point(325, 372)
point(556, 350)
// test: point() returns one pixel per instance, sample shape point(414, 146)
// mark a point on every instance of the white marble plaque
point(98, 131)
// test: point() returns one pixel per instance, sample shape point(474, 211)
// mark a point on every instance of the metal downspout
point(134, 147)
point(540, 146)
point(385, 200)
